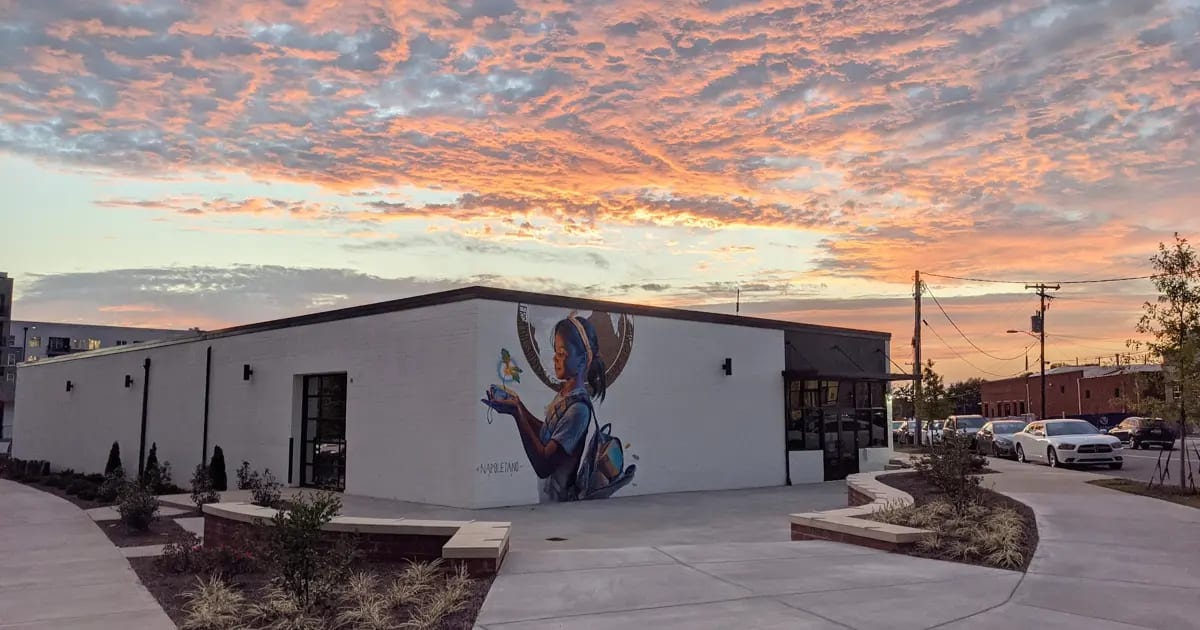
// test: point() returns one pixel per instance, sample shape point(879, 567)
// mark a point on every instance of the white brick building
point(385, 400)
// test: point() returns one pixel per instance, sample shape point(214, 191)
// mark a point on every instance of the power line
point(964, 335)
point(960, 356)
point(994, 281)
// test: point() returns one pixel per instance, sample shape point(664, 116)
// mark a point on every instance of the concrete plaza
point(1106, 561)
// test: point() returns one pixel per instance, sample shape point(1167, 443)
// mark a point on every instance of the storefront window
point(815, 406)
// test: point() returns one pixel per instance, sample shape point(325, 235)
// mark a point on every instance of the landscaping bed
point(161, 532)
point(993, 530)
point(381, 601)
point(1165, 493)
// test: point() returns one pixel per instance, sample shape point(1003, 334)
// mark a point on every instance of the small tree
point(1173, 323)
point(306, 567)
point(202, 490)
point(114, 459)
point(953, 467)
point(150, 471)
point(220, 480)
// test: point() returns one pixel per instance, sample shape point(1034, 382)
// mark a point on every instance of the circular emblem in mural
point(534, 326)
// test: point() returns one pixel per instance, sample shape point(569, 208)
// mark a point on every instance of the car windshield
point(1156, 423)
point(1070, 428)
point(1007, 427)
point(970, 423)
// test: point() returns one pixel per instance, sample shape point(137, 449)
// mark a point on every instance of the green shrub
point(114, 483)
point(245, 477)
point(150, 470)
point(95, 478)
point(305, 566)
point(220, 481)
point(45, 469)
point(87, 494)
point(79, 485)
point(202, 490)
point(186, 554)
point(114, 459)
point(138, 506)
point(266, 490)
point(215, 605)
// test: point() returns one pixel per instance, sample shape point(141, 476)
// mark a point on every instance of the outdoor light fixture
point(246, 372)
point(128, 381)
point(70, 386)
point(728, 366)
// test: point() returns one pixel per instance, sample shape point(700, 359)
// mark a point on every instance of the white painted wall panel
point(410, 411)
point(689, 425)
point(807, 466)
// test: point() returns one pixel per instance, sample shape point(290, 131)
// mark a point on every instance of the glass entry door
point(323, 433)
point(840, 443)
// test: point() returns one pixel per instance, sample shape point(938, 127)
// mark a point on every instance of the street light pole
point(1043, 341)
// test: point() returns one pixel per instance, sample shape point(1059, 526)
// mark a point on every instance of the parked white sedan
point(1058, 442)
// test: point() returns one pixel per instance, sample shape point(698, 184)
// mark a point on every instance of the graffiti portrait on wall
point(574, 456)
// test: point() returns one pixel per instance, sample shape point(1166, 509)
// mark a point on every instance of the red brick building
point(1072, 391)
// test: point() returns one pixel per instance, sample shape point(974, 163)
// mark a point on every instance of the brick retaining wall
point(381, 547)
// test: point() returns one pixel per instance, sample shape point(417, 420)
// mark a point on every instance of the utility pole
point(917, 356)
point(1039, 322)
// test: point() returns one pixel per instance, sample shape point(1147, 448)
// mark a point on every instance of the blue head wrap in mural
point(569, 465)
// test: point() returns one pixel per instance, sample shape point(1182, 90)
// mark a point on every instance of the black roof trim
point(540, 299)
point(480, 293)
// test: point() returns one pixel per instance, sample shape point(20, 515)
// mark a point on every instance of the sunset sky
point(215, 162)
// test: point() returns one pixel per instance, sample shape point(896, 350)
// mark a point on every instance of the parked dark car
point(996, 437)
point(1144, 433)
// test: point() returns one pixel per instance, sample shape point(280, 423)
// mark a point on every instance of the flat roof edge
point(474, 293)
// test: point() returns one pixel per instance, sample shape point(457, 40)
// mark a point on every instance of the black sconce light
point(728, 366)
point(70, 386)
point(246, 372)
point(128, 381)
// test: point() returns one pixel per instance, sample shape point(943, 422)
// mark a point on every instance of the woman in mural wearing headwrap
point(556, 445)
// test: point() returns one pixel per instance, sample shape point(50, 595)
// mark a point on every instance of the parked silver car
point(1058, 442)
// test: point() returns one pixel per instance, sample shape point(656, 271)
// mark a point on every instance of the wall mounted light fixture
point(728, 366)
point(128, 381)
point(247, 372)
point(70, 385)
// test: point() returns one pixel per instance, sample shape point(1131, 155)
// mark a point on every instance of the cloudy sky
point(214, 162)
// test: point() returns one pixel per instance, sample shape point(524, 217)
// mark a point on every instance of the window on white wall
point(35, 342)
point(93, 344)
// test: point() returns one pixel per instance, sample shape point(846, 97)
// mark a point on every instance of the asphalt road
point(1140, 465)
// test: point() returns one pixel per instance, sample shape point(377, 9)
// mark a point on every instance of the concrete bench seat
point(482, 545)
point(866, 494)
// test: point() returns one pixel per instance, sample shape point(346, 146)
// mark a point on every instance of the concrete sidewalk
point(811, 585)
point(1105, 559)
point(58, 571)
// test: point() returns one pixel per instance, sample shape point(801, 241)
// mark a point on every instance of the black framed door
point(323, 432)
point(839, 441)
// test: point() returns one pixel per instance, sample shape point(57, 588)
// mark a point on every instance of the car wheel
point(1133, 444)
point(1168, 447)
point(1051, 457)
point(1021, 455)
point(1114, 466)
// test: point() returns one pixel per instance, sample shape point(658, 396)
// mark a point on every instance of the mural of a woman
point(556, 445)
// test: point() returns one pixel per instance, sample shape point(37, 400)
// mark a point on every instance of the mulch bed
point(162, 531)
point(923, 493)
point(168, 589)
point(83, 504)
